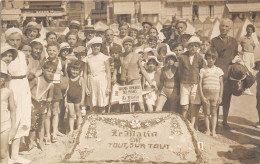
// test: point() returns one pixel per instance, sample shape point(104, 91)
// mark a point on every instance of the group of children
point(66, 77)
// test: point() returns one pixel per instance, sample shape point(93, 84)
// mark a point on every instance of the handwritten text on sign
point(129, 93)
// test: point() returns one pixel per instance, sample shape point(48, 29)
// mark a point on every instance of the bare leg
point(71, 114)
point(184, 109)
point(161, 102)
point(141, 106)
point(55, 119)
point(41, 132)
point(206, 110)
point(15, 149)
point(78, 114)
point(213, 119)
point(194, 114)
point(48, 126)
point(32, 136)
point(4, 136)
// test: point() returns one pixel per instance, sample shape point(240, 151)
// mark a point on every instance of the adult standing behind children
point(22, 94)
point(123, 31)
point(109, 43)
point(227, 49)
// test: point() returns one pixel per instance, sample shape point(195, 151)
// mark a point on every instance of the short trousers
point(189, 94)
point(57, 94)
point(212, 95)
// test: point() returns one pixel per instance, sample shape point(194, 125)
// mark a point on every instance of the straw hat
point(95, 40)
point(7, 47)
point(75, 23)
point(89, 28)
point(193, 39)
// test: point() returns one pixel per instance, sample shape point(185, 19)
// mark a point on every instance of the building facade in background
point(58, 12)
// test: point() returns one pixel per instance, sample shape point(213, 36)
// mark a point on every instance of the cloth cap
point(193, 39)
point(95, 40)
point(12, 30)
point(128, 39)
point(65, 45)
point(7, 47)
point(171, 54)
point(37, 40)
point(152, 57)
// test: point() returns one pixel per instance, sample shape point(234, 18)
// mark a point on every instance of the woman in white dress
point(22, 94)
point(97, 76)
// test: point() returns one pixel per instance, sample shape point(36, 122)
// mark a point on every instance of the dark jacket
point(104, 48)
point(189, 74)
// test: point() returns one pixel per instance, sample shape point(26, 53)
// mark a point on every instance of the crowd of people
point(48, 83)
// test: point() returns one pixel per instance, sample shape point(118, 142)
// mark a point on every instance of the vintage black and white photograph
point(130, 81)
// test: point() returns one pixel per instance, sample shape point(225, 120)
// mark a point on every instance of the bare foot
point(207, 133)
point(31, 146)
point(214, 134)
point(60, 134)
point(41, 146)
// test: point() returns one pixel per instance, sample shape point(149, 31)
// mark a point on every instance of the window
point(150, 18)
point(211, 11)
point(100, 5)
point(179, 11)
point(124, 18)
point(195, 12)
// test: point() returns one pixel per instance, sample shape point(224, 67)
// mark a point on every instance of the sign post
point(130, 94)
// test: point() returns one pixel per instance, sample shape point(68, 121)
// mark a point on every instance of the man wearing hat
point(74, 24)
point(89, 33)
point(227, 49)
point(109, 43)
point(146, 27)
point(190, 64)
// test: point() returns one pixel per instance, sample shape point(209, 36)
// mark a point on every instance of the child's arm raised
point(146, 75)
point(12, 109)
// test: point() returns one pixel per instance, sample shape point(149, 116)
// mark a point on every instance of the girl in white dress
point(21, 89)
point(97, 76)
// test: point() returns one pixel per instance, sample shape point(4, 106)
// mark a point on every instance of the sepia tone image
point(130, 81)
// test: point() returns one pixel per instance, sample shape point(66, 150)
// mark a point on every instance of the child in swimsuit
point(42, 94)
point(8, 115)
point(75, 94)
point(169, 85)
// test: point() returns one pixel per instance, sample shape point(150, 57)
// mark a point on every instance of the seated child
point(211, 90)
point(8, 115)
point(42, 95)
point(169, 85)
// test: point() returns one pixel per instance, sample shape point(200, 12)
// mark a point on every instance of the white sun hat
point(193, 39)
point(95, 40)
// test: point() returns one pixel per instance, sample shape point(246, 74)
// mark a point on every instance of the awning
point(43, 14)
point(151, 7)
point(124, 8)
point(243, 7)
point(10, 17)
